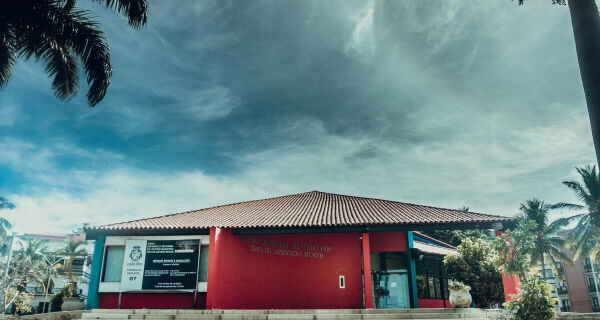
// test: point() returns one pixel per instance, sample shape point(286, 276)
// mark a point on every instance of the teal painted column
point(93, 298)
point(412, 273)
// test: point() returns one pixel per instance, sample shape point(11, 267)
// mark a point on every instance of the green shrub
point(535, 301)
point(457, 285)
point(57, 299)
point(475, 265)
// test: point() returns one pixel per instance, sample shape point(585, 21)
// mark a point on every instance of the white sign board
point(133, 265)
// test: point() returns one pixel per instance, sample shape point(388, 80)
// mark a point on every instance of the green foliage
point(514, 248)
point(20, 300)
point(548, 248)
point(535, 301)
point(476, 266)
point(5, 204)
point(72, 248)
point(455, 237)
point(22, 271)
point(67, 291)
point(5, 226)
point(63, 37)
point(26, 267)
point(457, 285)
point(56, 300)
point(584, 240)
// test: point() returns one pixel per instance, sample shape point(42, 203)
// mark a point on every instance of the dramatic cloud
point(448, 103)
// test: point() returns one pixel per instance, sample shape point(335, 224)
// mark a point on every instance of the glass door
point(391, 289)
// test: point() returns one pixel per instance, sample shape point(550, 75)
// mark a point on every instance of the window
point(438, 287)
point(432, 283)
point(587, 264)
point(560, 268)
point(591, 284)
point(565, 305)
point(445, 285)
point(595, 306)
point(203, 276)
point(422, 290)
point(431, 287)
point(113, 263)
point(562, 289)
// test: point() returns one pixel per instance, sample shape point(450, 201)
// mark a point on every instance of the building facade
point(309, 250)
point(575, 287)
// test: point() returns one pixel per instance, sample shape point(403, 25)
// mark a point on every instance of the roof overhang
point(379, 228)
point(92, 234)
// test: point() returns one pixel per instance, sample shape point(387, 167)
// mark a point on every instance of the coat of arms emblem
point(136, 253)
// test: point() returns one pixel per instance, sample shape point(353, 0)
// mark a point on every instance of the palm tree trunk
point(586, 29)
point(543, 268)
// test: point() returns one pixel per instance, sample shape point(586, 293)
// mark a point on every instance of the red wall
point(511, 284)
point(434, 303)
point(152, 300)
point(388, 241)
point(287, 271)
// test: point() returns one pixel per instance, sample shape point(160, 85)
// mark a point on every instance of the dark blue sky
point(453, 103)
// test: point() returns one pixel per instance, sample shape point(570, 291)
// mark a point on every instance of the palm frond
point(5, 204)
point(135, 11)
point(590, 179)
point(57, 34)
point(582, 238)
point(60, 64)
point(88, 42)
point(556, 253)
point(560, 223)
point(76, 30)
point(579, 190)
point(5, 224)
point(570, 206)
point(7, 55)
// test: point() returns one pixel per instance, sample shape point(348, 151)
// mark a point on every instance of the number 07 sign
point(133, 265)
point(160, 265)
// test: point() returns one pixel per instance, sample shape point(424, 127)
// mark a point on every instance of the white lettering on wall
point(283, 248)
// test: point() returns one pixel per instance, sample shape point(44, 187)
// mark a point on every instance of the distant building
point(81, 265)
point(575, 287)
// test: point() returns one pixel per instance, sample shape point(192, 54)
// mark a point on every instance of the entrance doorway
point(390, 280)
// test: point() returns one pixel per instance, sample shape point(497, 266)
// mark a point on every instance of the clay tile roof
point(304, 210)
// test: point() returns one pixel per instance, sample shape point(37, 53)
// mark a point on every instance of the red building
point(309, 250)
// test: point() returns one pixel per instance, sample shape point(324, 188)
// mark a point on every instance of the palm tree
point(5, 204)
point(34, 249)
point(72, 249)
point(547, 244)
point(58, 33)
point(4, 224)
point(29, 261)
point(585, 237)
point(585, 20)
